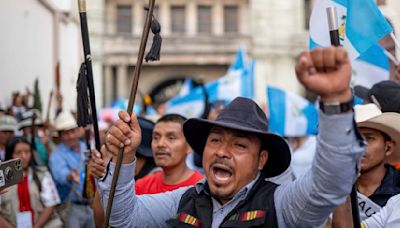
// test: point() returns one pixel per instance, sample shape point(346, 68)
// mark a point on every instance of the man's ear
point(189, 149)
point(262, 159)
point(389, 148)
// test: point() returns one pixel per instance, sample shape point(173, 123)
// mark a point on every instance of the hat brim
point(145, 152)
point(196, 132)
point(387, 122)
point(361, 92)
point(28, 123)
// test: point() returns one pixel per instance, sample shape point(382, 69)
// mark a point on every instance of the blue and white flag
point(121, 104)
point(371, 67)
point(291, 115)
point(239, 63)
point(187, 86)
point(361, 25)
point(238, 81)
point(190, 106)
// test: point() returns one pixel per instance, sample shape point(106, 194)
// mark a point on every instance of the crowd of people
point(224, 171)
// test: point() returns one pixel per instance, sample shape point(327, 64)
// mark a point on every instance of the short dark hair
point(12, 143)
point(10, 147)
point(386, 137)
point(176, 118)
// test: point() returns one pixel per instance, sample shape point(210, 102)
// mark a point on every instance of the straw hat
point(370, 116)
point(27, 118)
point(65, 121)
point(8, 123)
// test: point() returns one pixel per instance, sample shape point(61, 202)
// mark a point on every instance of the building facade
point(279, 34)
point(200, 39)
point(42, 34)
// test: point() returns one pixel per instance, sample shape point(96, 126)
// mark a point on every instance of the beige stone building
point(280, 33)
point(200, 38)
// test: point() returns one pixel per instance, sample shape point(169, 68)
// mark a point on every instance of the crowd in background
point(54, 190)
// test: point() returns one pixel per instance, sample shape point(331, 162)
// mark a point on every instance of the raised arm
point(309, 200)
point(128, 209)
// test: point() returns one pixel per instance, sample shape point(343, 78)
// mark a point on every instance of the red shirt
point(23, 196)
point(153, 183)
point(397, 166)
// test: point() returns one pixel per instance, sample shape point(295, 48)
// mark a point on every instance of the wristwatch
point(333, 108)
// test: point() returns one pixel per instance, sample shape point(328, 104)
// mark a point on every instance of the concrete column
point(165, 17)
point(275, 49)
point(244, 22)
point(111, 18)
point(122, 81)
point(191, 18)
point(218, 17)
point(138, 17)
point(108, 85)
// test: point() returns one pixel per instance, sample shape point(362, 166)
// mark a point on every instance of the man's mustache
point(223, 162)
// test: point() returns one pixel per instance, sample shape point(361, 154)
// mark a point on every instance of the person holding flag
point(378, 181)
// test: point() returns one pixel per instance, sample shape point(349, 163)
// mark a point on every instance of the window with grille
point(204, 19)
point(178, 19)
point(124, 18)
point(231, 19)
point(381, 2)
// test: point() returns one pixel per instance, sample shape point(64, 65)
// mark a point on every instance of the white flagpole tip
point(391, 57)
point(396, 42)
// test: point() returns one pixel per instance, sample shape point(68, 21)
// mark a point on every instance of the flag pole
point(335, 41)
point(136, 75)
point(333, 26)
point(396, 42)
point(391, 57)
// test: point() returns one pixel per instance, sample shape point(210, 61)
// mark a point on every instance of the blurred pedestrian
point(67, 164)
point(32, 202)
point(8, 127)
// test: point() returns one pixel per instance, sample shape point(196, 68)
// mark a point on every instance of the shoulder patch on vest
point(188, 219)
point(247, 216)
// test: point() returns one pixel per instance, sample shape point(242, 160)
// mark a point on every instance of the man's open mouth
point(222, 174)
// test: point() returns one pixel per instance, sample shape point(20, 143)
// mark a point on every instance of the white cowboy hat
point(8, 123)
point(27, 119)
point(370, 116)
point(65, 121)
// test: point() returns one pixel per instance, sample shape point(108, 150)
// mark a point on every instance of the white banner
point(366, 207)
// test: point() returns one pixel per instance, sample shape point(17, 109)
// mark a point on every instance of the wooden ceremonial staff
point(335, 41)
point(143, 42)
point(48, 110)
point(89, 69)
point(33, 145)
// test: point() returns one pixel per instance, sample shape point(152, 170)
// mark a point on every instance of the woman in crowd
point(31, 203)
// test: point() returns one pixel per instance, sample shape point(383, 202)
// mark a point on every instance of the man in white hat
point(378, 181)
point(67, 165)
point(8, 126)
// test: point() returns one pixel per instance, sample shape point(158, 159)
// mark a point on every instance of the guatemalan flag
point(361, 25)
point(238, 81)
point(291, 115)
point(187, 86)
point(371, 67)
